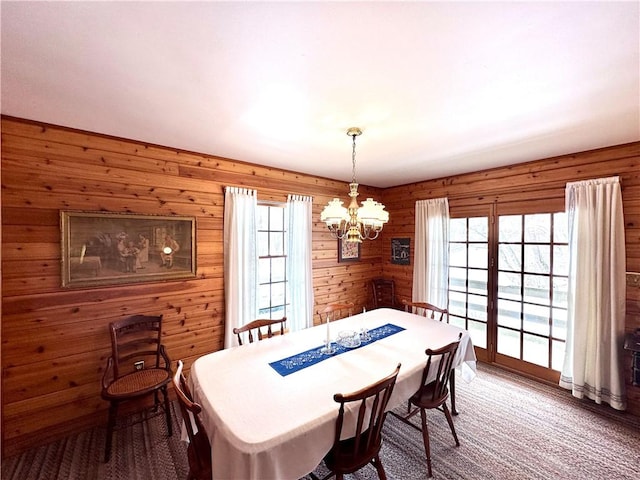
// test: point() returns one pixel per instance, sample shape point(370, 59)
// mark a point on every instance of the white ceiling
point(439, 88)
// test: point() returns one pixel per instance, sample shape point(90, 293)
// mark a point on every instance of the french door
point(508, 284)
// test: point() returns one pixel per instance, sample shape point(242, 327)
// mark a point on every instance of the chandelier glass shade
point(354, 223)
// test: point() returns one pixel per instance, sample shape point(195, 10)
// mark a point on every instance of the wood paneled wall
point(524, 186)
point(55, 341)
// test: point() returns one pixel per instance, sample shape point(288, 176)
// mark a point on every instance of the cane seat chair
point(138, 366)
point(199, 448)
point(357, 445)
point(433, 393)
point(336, 311)
point(257, 327)
point(384, 293)
point(426, 310)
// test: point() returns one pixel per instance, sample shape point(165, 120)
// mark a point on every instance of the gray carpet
point(509, 428)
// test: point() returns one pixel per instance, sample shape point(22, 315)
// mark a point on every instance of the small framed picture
point(400, 251)
point(348, 251)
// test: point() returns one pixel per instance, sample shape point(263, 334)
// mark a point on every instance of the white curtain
point(593, 366)
point(240, 260)
point(431, 254)
point(299, 271)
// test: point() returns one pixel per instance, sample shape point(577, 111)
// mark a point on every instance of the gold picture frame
point(102, 249)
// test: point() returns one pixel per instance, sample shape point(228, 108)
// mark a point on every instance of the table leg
point(452, 391)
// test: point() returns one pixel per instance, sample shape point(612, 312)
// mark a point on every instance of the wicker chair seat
point(140, 382)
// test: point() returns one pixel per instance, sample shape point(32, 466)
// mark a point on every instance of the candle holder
point(328, 348)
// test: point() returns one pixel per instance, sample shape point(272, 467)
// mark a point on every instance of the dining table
point(268, 406)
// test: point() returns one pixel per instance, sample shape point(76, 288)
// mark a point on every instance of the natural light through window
point(272, 261)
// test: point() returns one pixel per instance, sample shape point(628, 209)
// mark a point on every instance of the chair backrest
point(426, 310)
point(258, 325)
point(335, 311)
point(384, 292)
point(200, 458)
point(134, 339)
point(435, 387)
point(366, 435)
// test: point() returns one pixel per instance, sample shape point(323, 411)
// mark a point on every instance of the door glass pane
point(458, 230)
point(537, 258)
point(535, 350)
point(510, 228)
point(509, 342)
point(559, 323)
point(478, 229)
point(536, 319)
point(477, 307)
point(457, 303)
point(537, 228)
point(536, 289)
point(559, 293)
point(478, 255)
point(560, 227)
point(458, 254)
point(457, 278)
point(478, 281)
point(557, 358)
point(509, 285)
point(510, 257)
point(478, 333)
point(457, 321)
point(560, 260)
point(509, 314)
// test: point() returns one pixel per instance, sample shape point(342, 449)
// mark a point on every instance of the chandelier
point(354, 223)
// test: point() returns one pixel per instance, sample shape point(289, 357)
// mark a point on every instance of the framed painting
point(348, 251)
point(400, 251)
point(101, 249)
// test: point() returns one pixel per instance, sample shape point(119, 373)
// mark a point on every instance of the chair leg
point(445, 409)
point(379, 468)
point(113, 412)
point(167, 410)
point(452, 389)
point(425, 438)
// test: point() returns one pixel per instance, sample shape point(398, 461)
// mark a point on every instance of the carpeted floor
point(509, 428)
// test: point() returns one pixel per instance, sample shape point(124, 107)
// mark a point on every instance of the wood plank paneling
point(55, 341)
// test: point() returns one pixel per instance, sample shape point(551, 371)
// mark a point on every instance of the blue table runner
point(296, 362)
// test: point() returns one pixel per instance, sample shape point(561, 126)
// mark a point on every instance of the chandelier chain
point(353, 158)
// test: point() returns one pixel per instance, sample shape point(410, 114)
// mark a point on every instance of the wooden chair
point(138, 366)
point(336, 311)
point(360, 443)
point(199, 448)
point(384, 293)
point(433, 392)
point(257, 325)
point(426, 310)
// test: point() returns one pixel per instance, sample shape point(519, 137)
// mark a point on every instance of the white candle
point(328, 333)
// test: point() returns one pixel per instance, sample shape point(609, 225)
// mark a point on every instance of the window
point(508, 284)
point(272, 261)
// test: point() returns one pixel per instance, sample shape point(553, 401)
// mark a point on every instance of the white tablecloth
point(265, 426)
